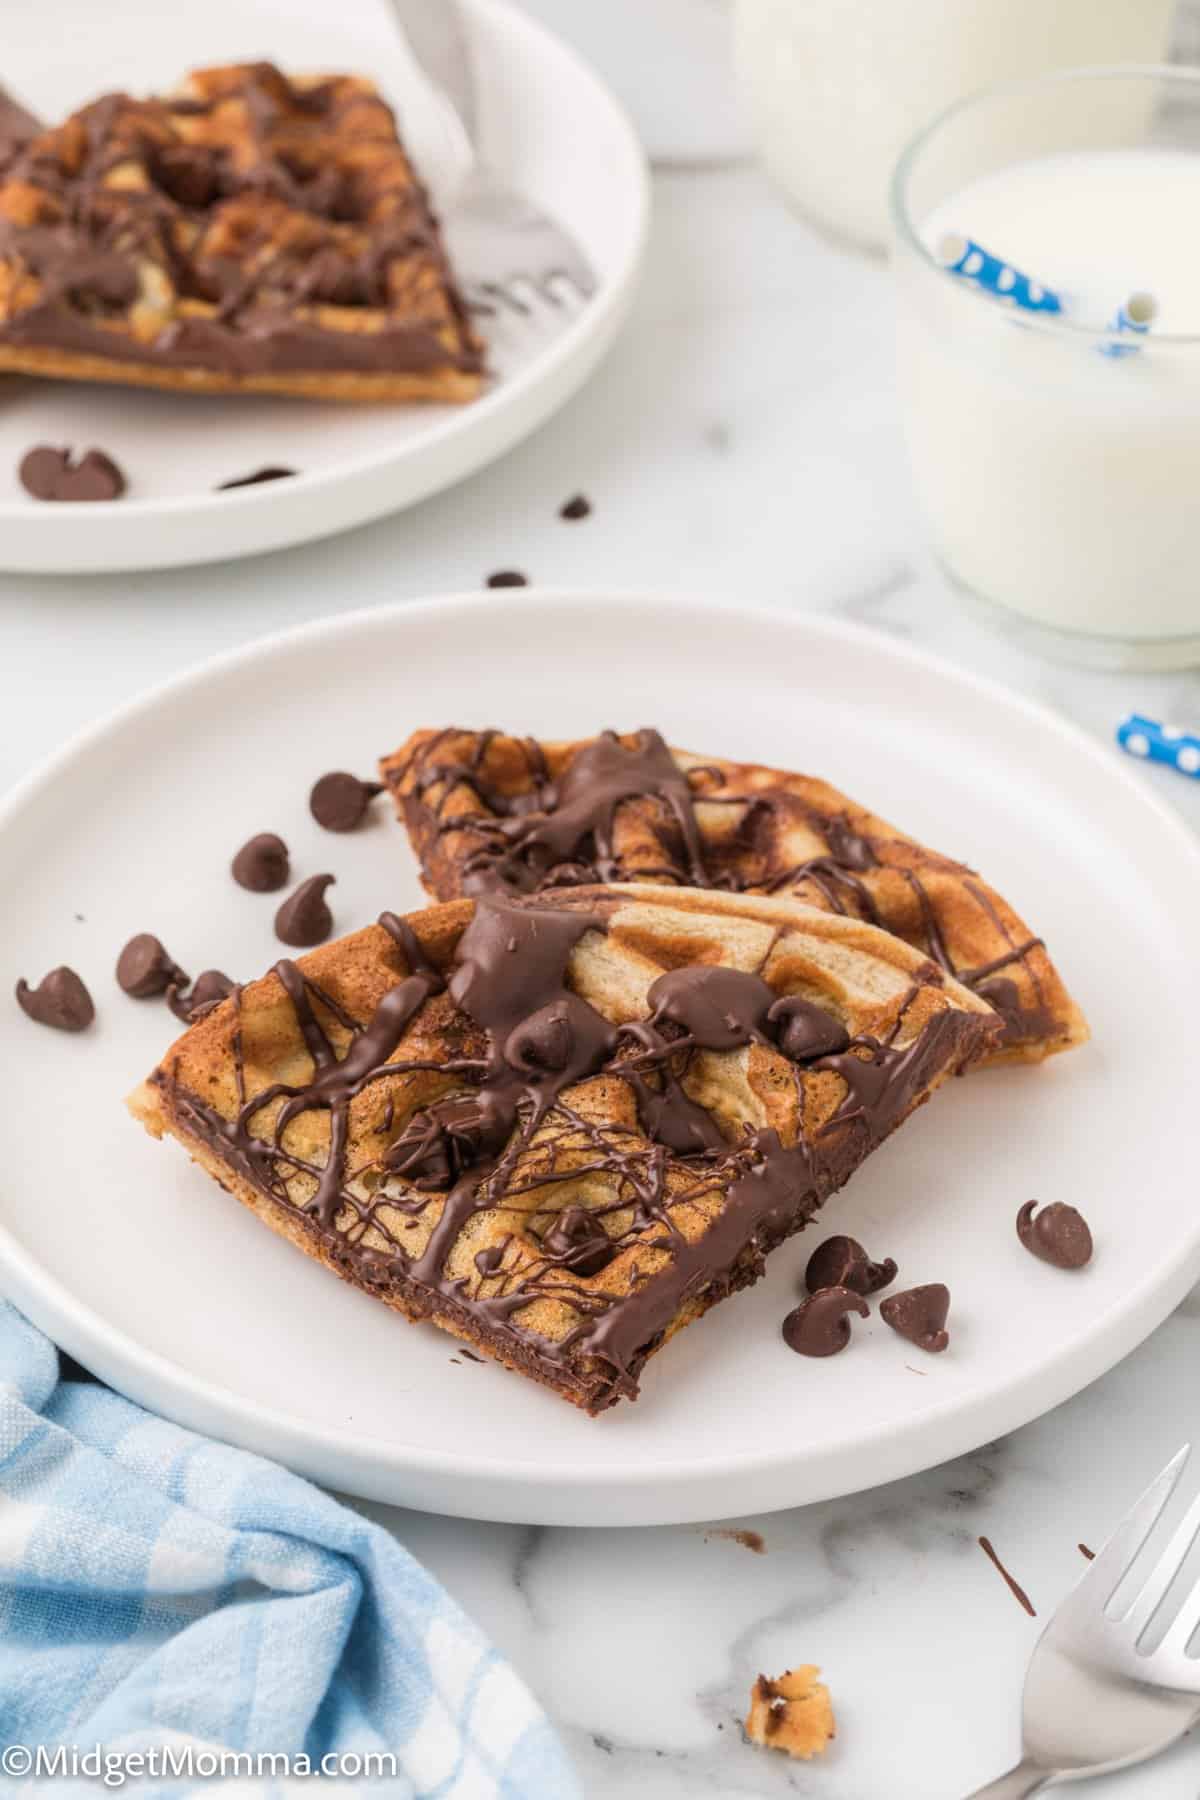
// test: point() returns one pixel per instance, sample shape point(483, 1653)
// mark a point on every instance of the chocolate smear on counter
point(577, 507)
point(749, 1540)
point(49, 474)
point(507, 578)
point(842, 1262)
point(819, 1325)
point(304, 918)
point(919, 1314)
point(272, 472)
point(339, 801)
point(1014, 1587)
point(466, 1152)
point(207, 991)
point(1058, 1234)
point(1084, 1551)
point(145, 969)
point(262, 864)
point(60, 999)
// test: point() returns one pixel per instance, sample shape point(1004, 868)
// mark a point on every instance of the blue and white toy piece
point(962, 256)
point(1154, 742)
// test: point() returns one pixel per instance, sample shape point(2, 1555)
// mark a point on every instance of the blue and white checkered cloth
point(160, 1589)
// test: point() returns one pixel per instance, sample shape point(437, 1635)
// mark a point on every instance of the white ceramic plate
point(144, 1269)
point(546, 125)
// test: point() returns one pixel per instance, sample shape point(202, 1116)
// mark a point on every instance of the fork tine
point(1146, 1603)
point(1183, 1625)
point(1099, 1584)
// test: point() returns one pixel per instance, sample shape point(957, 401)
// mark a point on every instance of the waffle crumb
point(793, 1713)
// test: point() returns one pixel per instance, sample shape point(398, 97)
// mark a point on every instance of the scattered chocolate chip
point(338, 801)
point(208, 990)
point(272, 472)
point(49, 474)
point(60, 999)
point(304, 918)
point(819, 1326)
point(1059, 1234)
point(144, 968)
point(804, 1031)
point(578, 1242)
point(842, 1262)
point(508, 578)
point(577, 507)
point(919, 1314)
point(262, 864)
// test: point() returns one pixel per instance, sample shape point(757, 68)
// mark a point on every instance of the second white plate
point(547, 126)
point(144, 1269)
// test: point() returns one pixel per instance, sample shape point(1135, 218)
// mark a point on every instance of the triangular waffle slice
point(562, 1128)
point(494, 814)
point(246, 232)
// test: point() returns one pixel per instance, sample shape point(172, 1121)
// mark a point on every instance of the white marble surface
point(743, 439)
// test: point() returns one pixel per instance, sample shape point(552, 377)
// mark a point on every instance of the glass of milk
point(1057, 454)
point(835, 88)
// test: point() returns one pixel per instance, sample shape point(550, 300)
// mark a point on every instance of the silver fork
point(1094, 1700)
point(510, 255)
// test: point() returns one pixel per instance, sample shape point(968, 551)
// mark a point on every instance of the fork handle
point(1027, 1778)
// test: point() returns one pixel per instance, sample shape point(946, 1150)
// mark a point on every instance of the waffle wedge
point(564, 1127)
point(488, 813)
point(245, 233)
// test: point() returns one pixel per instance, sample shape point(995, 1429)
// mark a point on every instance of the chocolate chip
point(919, 1314)
point(508, 578)
point(270, 472)
point(338, 801)
point(50, 474)
point(842, 1262)
point(208, 990)
point(262, 864)
point(540, 1043)
point(304, 918)
point(577, 507)
point(144, 968)
point(819, 1326)
point(804, 1031)
point(489, 1260)
point(1059, 1234)
point(187, 172)
point(577, 1242)
point(60, 999)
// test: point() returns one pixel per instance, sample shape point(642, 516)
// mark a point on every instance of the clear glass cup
point(835, 88)
point(1061, 481)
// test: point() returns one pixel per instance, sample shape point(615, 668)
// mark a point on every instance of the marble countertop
point(742, 438)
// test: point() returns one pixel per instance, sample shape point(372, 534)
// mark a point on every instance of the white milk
point(837, 87)
point(1059, 482)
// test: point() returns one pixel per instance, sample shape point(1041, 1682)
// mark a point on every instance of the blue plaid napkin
point(162, 1593)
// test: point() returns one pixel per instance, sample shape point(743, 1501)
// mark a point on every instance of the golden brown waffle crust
point(449, 387)
point(873, 979)
point(796, 817)
point(246, 233)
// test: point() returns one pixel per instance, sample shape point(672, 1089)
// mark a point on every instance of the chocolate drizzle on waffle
point(514, 1127)
point(546, 831)
point(561, 833)
point(251, 226)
